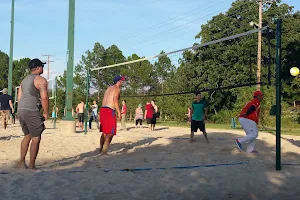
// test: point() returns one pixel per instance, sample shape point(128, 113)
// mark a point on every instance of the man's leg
point(102, 140)
point(24, 148)
point(123, 122)
point(193, 130)
point(202, 128)
point(90, 122)
point(34, 150)
point(3, 119)
point(251, 146)
point(107, 142)
point(251, 130)
point(96, 120)
point(192, 136)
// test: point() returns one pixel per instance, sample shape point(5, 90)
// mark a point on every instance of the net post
point(278, 94)
point(87, 99)
point(55, 94)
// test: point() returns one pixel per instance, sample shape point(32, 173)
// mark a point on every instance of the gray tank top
point(30, 99)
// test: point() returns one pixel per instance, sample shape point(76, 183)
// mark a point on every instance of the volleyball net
point(212, 68)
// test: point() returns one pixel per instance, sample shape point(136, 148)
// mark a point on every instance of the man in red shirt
point(123, 113)
point(149, 112)
point(249, 118)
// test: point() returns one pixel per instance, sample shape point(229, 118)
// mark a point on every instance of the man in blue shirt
point(198, 115)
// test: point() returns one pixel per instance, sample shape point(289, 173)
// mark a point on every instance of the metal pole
point(11, 53)
point(278, 94)
point(87, 99)
point(258, 73)
point(55, 94)
point(69, 86)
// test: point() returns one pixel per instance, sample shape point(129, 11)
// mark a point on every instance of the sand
point(141, 165)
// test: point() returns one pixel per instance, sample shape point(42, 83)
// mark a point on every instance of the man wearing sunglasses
point(32, 96)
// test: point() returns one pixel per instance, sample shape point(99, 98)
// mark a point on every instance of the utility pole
point(259, 46)
point(48, 63)
point(70, 64)
point(10, 64)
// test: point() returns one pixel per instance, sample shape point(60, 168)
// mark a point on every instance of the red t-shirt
point(124, 109)
point(255, 115)
point(150, 111)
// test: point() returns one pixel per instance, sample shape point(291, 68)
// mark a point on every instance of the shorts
point(108, 121)
point(149, 120)
point(138, 121)
point(195, 125)
point(153, 121)
point(32, 122)
point(4, 114)
point(80, 117)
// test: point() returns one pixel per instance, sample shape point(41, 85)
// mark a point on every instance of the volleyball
point(294, 71)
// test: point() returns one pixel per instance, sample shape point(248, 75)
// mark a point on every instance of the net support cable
point(185, 49)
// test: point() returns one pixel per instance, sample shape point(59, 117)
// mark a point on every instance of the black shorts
point(149, 120)
point(32, 122)
point(80, 117)
point(153, 121)
point(195, 125)
point(138, 121)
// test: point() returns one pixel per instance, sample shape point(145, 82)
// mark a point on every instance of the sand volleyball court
point(149, 165)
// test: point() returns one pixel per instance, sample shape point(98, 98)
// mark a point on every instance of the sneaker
point(255, 152)
point(239, 145)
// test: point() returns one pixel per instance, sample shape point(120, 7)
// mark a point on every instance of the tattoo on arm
point(43, 87)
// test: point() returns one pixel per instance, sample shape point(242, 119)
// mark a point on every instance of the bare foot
point(32, 168)
point(22, 165)
point(100, 150)
point(103, 153)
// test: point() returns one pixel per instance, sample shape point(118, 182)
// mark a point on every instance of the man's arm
point(191, 113)
point(116, 101)
point(19, 93)
point(205, 113)
point(145, 113)
point(77, 109)
point(11, 106)
point(250, 110)
point(42, 86)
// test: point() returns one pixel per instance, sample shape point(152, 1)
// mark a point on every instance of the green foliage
point(224, 64)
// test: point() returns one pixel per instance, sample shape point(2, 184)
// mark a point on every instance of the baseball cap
point(34, 63)
point(257, 93)
point(118, 78)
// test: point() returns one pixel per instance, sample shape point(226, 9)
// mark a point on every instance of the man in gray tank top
point(32, 96)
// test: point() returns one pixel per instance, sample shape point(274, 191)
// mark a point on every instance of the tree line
point(224, 64)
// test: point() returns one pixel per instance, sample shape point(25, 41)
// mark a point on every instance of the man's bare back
point(109, 95)
point(80, 108)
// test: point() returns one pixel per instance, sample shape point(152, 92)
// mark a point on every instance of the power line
point(163, 23)
point(48, 63)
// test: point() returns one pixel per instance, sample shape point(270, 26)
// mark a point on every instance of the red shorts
point(108, 121)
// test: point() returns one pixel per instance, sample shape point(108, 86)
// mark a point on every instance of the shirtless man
point(80, 111)
point(108, 118)
point(32, 96)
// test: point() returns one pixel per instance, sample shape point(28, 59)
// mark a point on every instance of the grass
point(284, 131)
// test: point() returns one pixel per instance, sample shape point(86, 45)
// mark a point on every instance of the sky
point(144, 27)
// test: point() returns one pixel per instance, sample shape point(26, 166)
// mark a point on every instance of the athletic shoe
point(255, 152)
point(239, 145)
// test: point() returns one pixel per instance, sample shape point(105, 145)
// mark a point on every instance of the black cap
point(34, 63)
